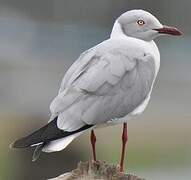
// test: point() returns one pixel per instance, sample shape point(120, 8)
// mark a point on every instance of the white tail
point(60, 144)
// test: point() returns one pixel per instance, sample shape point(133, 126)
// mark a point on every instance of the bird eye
point(140, 22)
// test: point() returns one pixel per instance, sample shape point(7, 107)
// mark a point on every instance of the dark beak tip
point(177, 32)
point(180, 33)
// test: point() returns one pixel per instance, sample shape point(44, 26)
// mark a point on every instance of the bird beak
point(169, 30)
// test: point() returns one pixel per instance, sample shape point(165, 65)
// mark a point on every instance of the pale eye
point(140, 22)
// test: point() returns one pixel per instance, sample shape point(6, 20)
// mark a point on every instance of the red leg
point(124, 141)
point(93, 142)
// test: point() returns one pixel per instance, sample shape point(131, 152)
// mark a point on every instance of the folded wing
point(94, 81)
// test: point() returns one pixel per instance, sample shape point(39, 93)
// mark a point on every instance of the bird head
point(143, 25)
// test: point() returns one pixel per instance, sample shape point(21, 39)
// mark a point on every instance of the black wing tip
point(11, 146)
point(18, 144)
point(14, 145)
point(47, 133)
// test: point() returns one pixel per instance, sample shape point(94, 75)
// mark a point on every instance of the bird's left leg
point(93, 142)
point(124, 141)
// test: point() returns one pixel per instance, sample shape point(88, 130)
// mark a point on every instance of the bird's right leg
point(124, 141)
point(93, 142)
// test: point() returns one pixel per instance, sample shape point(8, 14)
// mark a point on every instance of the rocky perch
point(96, 170)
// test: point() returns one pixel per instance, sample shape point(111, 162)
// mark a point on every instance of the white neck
point(117, 31)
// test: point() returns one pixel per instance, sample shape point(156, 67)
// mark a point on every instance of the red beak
point(169, 30)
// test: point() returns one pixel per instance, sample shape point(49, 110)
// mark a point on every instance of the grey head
point(143, 25)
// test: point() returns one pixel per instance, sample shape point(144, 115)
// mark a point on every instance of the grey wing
point(115, 99)
point(97, 86)
point(76, 68)
point(136, 86)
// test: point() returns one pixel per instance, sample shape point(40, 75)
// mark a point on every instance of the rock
point(96, 170)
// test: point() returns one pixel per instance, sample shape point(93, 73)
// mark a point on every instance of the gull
point(107, 85)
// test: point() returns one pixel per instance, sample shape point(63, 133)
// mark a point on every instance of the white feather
point(60, 144)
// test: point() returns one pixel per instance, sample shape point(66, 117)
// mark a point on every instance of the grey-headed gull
point(107, 85)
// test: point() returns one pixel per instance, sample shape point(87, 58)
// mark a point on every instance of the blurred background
point(39, 40)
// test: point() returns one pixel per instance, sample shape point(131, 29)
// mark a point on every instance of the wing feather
point(102, 84)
